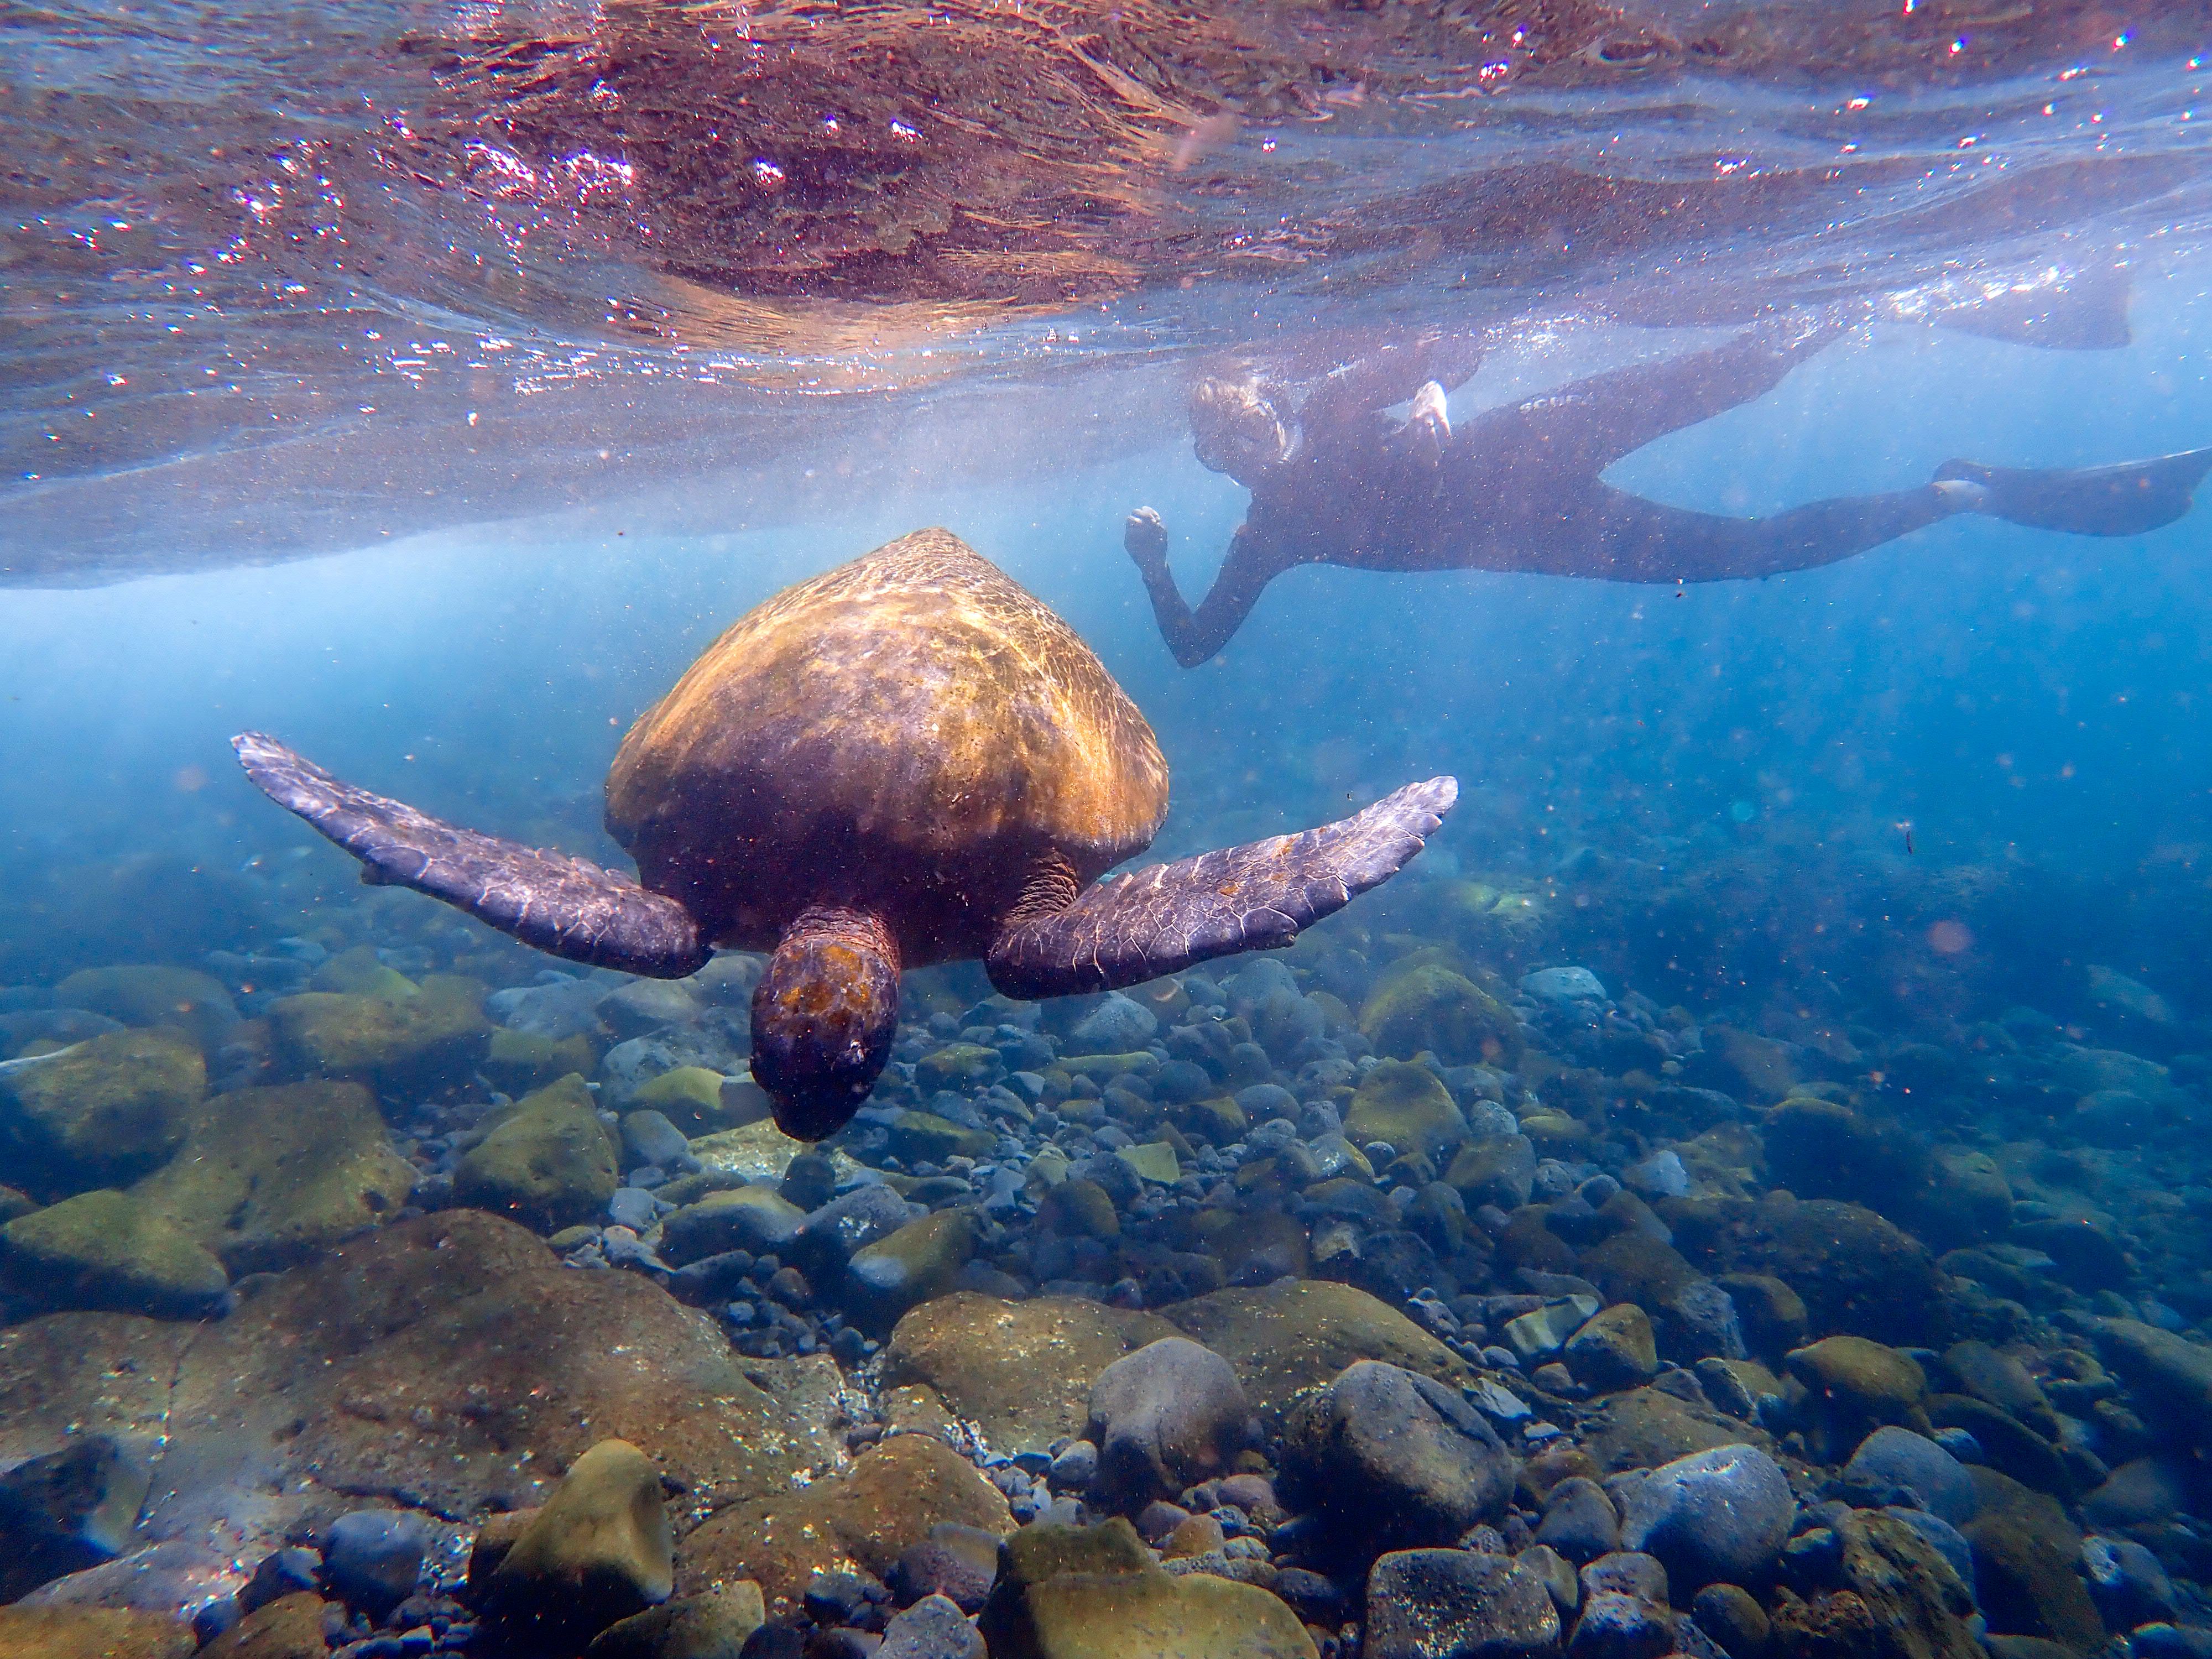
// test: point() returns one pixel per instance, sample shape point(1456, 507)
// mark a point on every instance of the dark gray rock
point(954, 1562)
point(1948, 1540)
point(933, 1628)
point(1075, 1468)
point(1313, 1597)
point(1395, 1458)
point(828, 1238)
point(1580, 1521)
point(1616, 1626)
point(1627, 1572)
point(1731, 1615)
point(284, 1572)
point(1167, 1417)
point(649, 1137)
point(1559, 1578)
point(2127, 1583)
point(1455, 1604)
point(67, 1510)
point(1894, 1464)
point(1722, 1514)
point(373, 1558)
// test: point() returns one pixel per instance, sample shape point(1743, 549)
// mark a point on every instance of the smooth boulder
point(1167, 1417)
point(1395, 1458)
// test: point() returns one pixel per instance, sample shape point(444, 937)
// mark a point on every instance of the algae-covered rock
point(1894, 1597)
point(267, 1177)
point(1842, 1387)
point(451, 1357)
point(111, 1109)
point(959, 1066)
point(1647, 1427)
point(1021, 1371)
point(924, 1137)
point(863, 1521)
point(359, 971)
point(1614, 1348)
point(1859, 1274)
point(1394, 1459)
point(696, 1099)
point(290, 1627)
point(1166, 1417)
point(1426, 1006)
point(150, 994)
point(91, 1633)
point(110, 1249)
point(393, 1044)
point(754, 1219)
point(713, 1625)
point(1408, 1107)
point(1295, 1334)
point(2025, 1577)
point(1499, 1170)
point(599, 1550)
point(1094, 1593)
point(516, 1062)
point(906, 1267)
point(548, 1163)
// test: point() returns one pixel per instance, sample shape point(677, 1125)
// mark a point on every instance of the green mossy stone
point(1079, 1207)
point(696, 1099)
point(516, 1062)
point(110, 1249)
point(1409, 1107)
point(91, 1633)
point(155, 995)
point(1154, 1160)
point(959, 1066)
point(1108, 1066)
point(1094, 1593)
point(439, 1036)
point(549, 1163)
point(267, 1177)
point(1217, 1118)
point(600, 1549)
point(1021, 1371)
point(713, 1625)
point(924, 1137)
point(1425, 1005)
point(113, 1108)
point(1616, 1348)
point(360, 972)
point(290, 1627)
point(906, 1267)
point(1296, 1334)
point(754, 1218)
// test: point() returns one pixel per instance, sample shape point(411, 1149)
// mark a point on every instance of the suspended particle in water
point(1742, 811)
point(1949, 938)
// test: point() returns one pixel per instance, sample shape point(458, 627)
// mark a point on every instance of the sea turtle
point(906, 760)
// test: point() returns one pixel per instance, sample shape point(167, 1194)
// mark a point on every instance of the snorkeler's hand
point(1145, 536)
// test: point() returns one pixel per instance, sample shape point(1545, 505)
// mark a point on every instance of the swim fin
point(2125, 500)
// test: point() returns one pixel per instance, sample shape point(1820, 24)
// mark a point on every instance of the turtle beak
point(823, 1017)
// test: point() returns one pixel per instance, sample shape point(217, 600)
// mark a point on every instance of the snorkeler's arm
point(1194, 636)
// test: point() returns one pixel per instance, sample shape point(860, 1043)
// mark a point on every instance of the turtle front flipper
point(1252, 897)
point(567, 906)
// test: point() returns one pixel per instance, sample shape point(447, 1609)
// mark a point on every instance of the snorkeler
point(1520, 489)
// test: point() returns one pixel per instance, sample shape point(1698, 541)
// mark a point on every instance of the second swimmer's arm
point(1193, 638)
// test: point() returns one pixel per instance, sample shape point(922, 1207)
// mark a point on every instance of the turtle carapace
point(906, 760)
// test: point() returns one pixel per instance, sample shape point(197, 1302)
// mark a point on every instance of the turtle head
point(823, 1017)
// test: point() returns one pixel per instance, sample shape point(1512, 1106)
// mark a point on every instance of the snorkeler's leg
point(1588, 424)
point(1192, 637)
point(1625, 538)
point(2125, 500)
